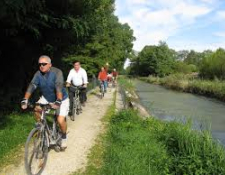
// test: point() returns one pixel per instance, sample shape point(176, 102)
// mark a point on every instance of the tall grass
point(211, 88)
point(151, 146)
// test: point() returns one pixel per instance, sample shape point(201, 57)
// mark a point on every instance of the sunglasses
point(42, 64)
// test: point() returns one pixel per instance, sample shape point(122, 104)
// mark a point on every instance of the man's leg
point(62, 113)
point(37, 109)
point(83, 96)
point(71, 95)
point(105, 86)
point(37, 113)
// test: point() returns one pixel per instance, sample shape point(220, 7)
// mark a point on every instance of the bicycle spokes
point(35, 152)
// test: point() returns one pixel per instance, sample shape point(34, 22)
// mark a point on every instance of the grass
point(180, 82)
point(14, 131)
point(132, 145)
point(95, 158)
point(136, 146)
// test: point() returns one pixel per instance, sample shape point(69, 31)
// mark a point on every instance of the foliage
point(181, 67)
point(156, 60)
point(193, 58)
point(151, 146)
point(66, 30)
point(213, 66)
point(191, 83)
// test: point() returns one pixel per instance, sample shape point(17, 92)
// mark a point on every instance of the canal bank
point(206, 113)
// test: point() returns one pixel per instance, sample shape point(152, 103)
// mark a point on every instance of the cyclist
point(50, 82)
point(77, 77)
point(114, 75)
point(102, 77)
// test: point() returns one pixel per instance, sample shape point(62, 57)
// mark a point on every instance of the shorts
point(64, 107)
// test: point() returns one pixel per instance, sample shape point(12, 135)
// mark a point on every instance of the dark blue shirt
point(49, 83)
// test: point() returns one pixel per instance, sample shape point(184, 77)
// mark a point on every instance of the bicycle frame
point(39, 140)
point(50, 133)
point(76, 108)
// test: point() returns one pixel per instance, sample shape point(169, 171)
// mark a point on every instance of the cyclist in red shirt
point(102, 77)
point(114, 75)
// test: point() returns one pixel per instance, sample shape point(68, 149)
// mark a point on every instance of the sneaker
point(83, 104)
point(64, 144)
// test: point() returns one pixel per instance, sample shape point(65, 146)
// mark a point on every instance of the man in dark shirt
point(51, 84)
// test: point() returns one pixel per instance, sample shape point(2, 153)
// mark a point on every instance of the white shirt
point(77, 78)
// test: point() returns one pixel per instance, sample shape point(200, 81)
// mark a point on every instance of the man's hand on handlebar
point(24, 103)
point(56, 104)
point(85, 85)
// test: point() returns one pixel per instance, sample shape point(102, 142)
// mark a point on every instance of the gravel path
point(81, 136)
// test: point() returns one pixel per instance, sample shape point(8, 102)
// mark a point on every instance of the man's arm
point(85, 79)
point(59, 84)
point(69, 78)
point(32, 86)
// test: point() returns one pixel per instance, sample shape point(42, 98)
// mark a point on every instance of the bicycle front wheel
point(74, 110)
point(36, 152)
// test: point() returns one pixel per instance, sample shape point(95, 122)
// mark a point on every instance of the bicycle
point(41, 138)
point(76, 109)
point(113, 82)
point(102, 89)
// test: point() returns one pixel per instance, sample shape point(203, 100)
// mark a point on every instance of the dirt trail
point(81, 136)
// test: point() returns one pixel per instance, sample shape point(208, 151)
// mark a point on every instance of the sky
point(182, 24)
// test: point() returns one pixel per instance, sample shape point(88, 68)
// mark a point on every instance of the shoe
point(83, 104)
point(64, 144)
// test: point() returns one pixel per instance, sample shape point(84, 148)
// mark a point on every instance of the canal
point(166, 104)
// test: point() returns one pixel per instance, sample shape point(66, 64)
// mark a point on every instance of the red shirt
point(114, 73)
point(102, 75)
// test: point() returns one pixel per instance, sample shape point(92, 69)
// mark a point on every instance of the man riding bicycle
point(77, 77)
point(50, 82)
point(102, 77)
point(114, 75)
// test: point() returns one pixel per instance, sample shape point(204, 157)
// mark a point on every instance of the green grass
point(136, 146)
point(14, 129)
point(150, 146)
point(180, 82)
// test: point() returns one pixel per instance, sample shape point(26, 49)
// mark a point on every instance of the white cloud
point(157, 20)
point(221, 15)
point(219, 34)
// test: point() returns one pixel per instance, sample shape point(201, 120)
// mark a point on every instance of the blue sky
point(182, 24)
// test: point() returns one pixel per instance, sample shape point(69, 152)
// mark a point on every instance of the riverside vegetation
point(132, 144)
point(187, 83)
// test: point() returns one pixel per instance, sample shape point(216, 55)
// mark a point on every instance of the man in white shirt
point(77, 77)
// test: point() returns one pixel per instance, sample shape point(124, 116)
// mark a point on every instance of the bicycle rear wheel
point(36, 152)
point(74, 109)
point(102, 91)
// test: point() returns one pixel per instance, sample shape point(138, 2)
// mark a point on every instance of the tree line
point(160, 60)
point(66, 30)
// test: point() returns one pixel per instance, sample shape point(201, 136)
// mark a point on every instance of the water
point(207, 113)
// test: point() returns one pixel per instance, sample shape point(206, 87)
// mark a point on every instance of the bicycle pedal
point(52, 142)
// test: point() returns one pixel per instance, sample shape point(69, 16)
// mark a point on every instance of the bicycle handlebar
point(43, 106)
point(73, 88)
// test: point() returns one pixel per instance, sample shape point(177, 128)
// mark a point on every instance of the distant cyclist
point(114, 75)
point(77, 77)
point(51, 84)
point(102, 77)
